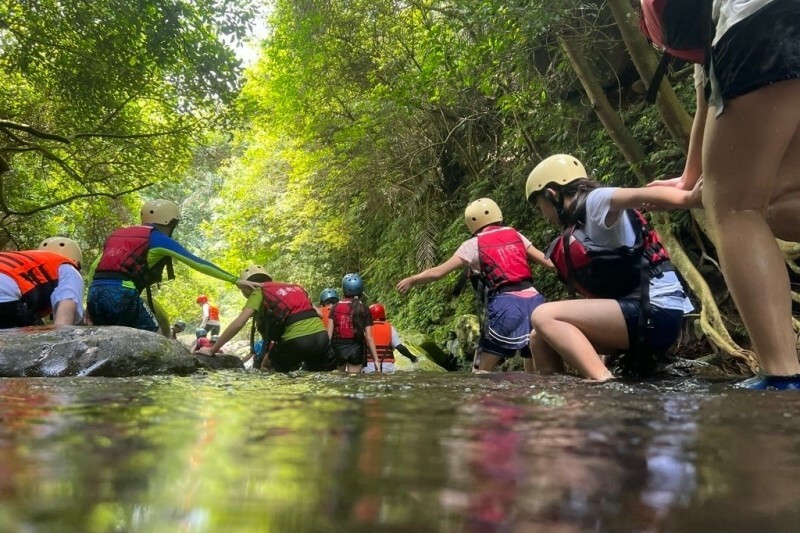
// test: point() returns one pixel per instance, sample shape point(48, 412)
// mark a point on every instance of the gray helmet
point(200, 332)
point(180, 325)
point(328, 294)
point(352, 285)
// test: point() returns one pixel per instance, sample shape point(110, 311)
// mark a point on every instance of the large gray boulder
point(109, 351)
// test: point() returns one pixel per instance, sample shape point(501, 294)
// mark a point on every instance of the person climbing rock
point(210, 318)
point(498, 256)
point(386, 341)
point(284, 315)
point(350, 328)
point(178, 327)
point(37, 283)
point(201, 340)
point(608, 253)
point(133, 260)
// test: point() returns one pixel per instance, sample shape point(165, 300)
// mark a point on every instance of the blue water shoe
point(763, 382)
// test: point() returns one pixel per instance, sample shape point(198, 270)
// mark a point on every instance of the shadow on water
point(424, 452)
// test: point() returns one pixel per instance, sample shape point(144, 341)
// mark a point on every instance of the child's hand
point(248, 285)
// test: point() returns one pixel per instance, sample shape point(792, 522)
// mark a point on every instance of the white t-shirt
point(395, 338)
point(468, 251)
point(70, 287)
point(726, 13)
point(663, 290)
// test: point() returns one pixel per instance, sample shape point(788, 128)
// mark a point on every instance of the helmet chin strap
point(558, 203)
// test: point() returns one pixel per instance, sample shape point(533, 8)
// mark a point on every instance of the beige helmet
point(481, 213)
point(64, 247)
point(252, 270)
point(160, 212)
point(560, 169)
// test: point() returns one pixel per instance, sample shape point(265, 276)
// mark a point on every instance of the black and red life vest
point(125, 257)
point(598, 272)
point(503, 259)
point(382, 335)
point(343, 327)
point(36, 274)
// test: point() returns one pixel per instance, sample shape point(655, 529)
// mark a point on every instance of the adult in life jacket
point(133, 260)
point(386, 341)
point(285, 317)
point(745, 143)
point(350, 328)
point(327, 299)
point(498, 255)
point(210, 318)
point(609, 254)
point(37, 283)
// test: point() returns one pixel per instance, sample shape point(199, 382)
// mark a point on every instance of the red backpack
point(680, 28)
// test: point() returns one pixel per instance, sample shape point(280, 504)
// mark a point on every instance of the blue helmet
point(328, 294)
point(200, 332)
point(352, 285)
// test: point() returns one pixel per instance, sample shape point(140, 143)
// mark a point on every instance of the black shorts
point(17, 314)
point(762, 49)
point(313, 350)
point(666, 324)
point(353, 353)
point(212, 330)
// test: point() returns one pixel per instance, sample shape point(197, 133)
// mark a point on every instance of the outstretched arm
point(232, 329)
point(654, 199)
point(432, 274)
point(405, 351)
point(537, 256)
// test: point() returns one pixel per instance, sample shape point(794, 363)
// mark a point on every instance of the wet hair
point(578, 190)
point(360, 315)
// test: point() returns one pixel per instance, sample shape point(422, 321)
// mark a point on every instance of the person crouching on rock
point(609, 253)
point(283, 313)
point(350, 328)
point(201, 340)
point(498, 255)
point(36, 283)
point(386, 341)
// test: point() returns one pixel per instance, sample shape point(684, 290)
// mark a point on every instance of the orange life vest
point(382, 335)
point(326, 313)
point(213, 313)
point(36, 274)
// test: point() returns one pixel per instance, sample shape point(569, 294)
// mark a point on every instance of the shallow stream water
point(237, 451)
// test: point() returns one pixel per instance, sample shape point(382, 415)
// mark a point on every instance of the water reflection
point(248, 452)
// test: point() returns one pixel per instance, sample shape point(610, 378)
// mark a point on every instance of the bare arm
point(64, 314)
point(372, 349)
point(432, 274)
point(232, 329)
point(329, 327)
point(652, 198)
point(537, 256)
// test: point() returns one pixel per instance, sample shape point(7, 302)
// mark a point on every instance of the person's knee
point(540, 316)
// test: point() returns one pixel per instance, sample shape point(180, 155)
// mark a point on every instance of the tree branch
point(72, 199)
point(10, 124)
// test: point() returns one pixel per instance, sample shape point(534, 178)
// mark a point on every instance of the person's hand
point(405, 285)
point(204, 351)
point(678, 183)
point(248, 285)
point(696, 196)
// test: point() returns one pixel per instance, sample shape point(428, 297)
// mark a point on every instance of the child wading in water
point(498, 256)
point(635, 300)
point(350, 328)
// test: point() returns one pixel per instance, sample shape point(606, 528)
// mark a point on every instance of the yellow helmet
point(481, 213)
point(560, 169)
point(64, 247)
point(160, 212)
point(252, 270)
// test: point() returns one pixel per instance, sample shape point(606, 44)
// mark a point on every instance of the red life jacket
point(503, 259)
point(213, 313)
point(125, 257)
point(382, 335)
point(36, 274)
point(598, 272)
point(343, 327)
point(286, 303)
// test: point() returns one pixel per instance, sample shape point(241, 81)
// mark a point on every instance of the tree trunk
point(673, 114)
point(613, 123)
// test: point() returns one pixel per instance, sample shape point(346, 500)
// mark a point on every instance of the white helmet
point(252, 270)
point(560, 169)
point(481, 213)
point(64, 247)
point(160, 212)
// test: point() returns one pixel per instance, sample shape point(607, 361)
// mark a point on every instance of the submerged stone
point(109, 351)
point(218, 362)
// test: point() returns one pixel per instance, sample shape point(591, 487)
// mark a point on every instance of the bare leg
point(743, 153)
point(527, 364)
point(573, 328)
point(489, 361)
point(545, 360)
point(354, 369)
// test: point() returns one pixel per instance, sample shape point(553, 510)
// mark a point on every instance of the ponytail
point(360, 315)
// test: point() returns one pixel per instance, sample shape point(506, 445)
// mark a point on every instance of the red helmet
point(377, 311)
point(202, 299)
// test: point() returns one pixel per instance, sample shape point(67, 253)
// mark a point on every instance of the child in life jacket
point(608, 253)
point(210, 318)
point(386, 341)
point(283, 314)
point(327, 299)
point(350, 328)
point(37, 283)
point(499, 255)
point(745, 143)
point(201, 340)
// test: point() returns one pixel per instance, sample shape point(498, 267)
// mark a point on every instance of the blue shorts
point(111, 304)
point(666, 324)
point(508, 323)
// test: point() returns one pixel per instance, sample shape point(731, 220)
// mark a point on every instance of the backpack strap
point(658, 77)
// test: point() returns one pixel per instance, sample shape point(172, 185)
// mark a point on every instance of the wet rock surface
point(108, 351)
point(218, 362)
